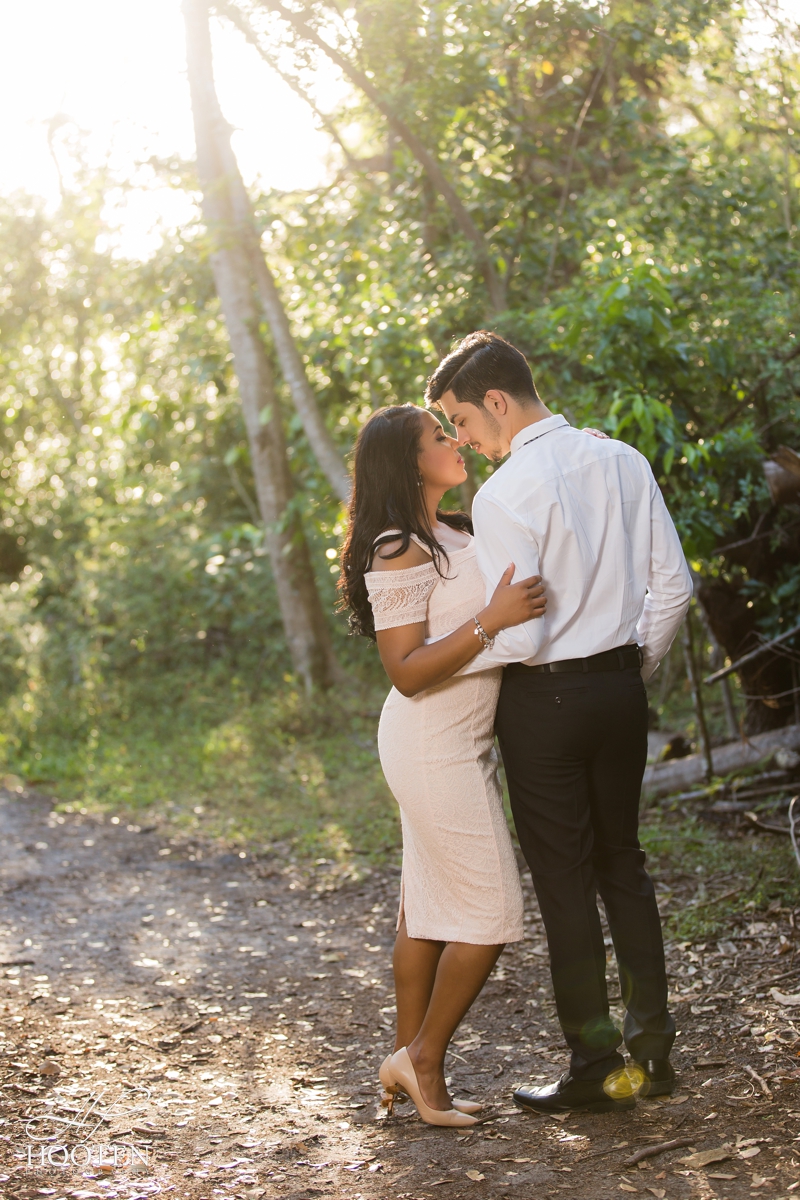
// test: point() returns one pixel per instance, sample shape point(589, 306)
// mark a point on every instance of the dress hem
point(449, 936)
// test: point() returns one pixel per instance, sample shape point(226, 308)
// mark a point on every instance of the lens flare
point(622, 1084)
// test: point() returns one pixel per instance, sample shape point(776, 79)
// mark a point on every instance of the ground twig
point(754, 1075)
point(652, 1151)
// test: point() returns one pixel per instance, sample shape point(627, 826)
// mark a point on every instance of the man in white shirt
point(586, 514)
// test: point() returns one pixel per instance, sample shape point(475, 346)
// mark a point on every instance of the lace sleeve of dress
point(400, 597)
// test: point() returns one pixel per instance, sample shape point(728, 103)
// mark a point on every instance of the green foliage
point(133, 542)
point(260, 769)
point(634, 173)
point(746, 872)
point(648, 255)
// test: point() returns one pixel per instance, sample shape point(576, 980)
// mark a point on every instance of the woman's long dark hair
point(386, 495)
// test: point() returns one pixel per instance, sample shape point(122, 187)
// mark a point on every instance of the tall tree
point(291, 364)
point(320, 440)
point(301, 611)
point(389, 108)
point(651, 262)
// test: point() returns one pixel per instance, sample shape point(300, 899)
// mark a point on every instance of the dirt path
point(225, 1016)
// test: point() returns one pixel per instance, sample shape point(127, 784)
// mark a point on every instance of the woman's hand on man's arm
point(413, 667)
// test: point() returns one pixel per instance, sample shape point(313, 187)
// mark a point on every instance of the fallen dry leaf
point(252, 1055)
point(750, 1153)
point(476, 1175)
point(703, 1157)
point(783, 998)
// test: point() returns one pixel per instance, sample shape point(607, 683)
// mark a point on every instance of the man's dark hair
point(480, 362)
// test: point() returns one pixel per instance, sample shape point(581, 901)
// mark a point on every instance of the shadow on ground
point(215, 1023)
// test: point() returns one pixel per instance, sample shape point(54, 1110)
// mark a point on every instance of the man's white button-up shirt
point(587, 515)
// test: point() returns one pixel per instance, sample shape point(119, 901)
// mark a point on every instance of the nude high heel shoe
point(403, 1076)
point(393, 1094)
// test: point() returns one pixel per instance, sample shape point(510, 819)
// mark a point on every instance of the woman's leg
point(461, 972)
point(415, 962)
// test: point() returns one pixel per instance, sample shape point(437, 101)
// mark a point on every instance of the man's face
point(475, 427)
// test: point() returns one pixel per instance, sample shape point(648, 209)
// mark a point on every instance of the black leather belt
point(621, 658)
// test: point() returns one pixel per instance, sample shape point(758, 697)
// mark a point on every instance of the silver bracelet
point(480, 632)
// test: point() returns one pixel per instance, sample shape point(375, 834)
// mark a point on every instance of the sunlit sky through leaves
point(116, 69)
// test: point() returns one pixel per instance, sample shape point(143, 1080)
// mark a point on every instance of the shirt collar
point(537, 430)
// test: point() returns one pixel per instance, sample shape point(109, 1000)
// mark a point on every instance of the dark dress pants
point(574, 748)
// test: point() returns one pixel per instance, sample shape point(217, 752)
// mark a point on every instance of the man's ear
point(496, 403)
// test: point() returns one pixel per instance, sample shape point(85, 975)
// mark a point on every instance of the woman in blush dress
point(411, 582)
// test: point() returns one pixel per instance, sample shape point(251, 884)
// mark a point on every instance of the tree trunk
point(301, 611)
point(495, 284)
point(291, 364)
point(320, 440)
point(764, 547)
point(717, 661)
point(765, 681)
point(697, 695)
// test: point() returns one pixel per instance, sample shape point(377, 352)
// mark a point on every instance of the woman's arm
point(412, 666)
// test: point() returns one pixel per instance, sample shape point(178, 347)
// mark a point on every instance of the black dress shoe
point(659, 1077)
point(613, 1094)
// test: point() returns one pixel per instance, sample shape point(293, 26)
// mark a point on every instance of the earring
point(420, 481)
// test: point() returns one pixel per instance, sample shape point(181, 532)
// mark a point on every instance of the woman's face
point(439, 462)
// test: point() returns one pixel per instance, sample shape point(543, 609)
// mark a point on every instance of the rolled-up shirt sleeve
point(669, 586)
point(500, 539)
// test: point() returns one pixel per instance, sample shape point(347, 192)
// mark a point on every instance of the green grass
point(198, 752)
point(700, 862)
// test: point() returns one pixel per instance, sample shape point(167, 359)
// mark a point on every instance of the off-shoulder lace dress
point(460, 879)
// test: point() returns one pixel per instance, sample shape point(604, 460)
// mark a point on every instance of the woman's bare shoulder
point(414, 556)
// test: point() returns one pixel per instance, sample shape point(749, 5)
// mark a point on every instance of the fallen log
point(662, 779)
